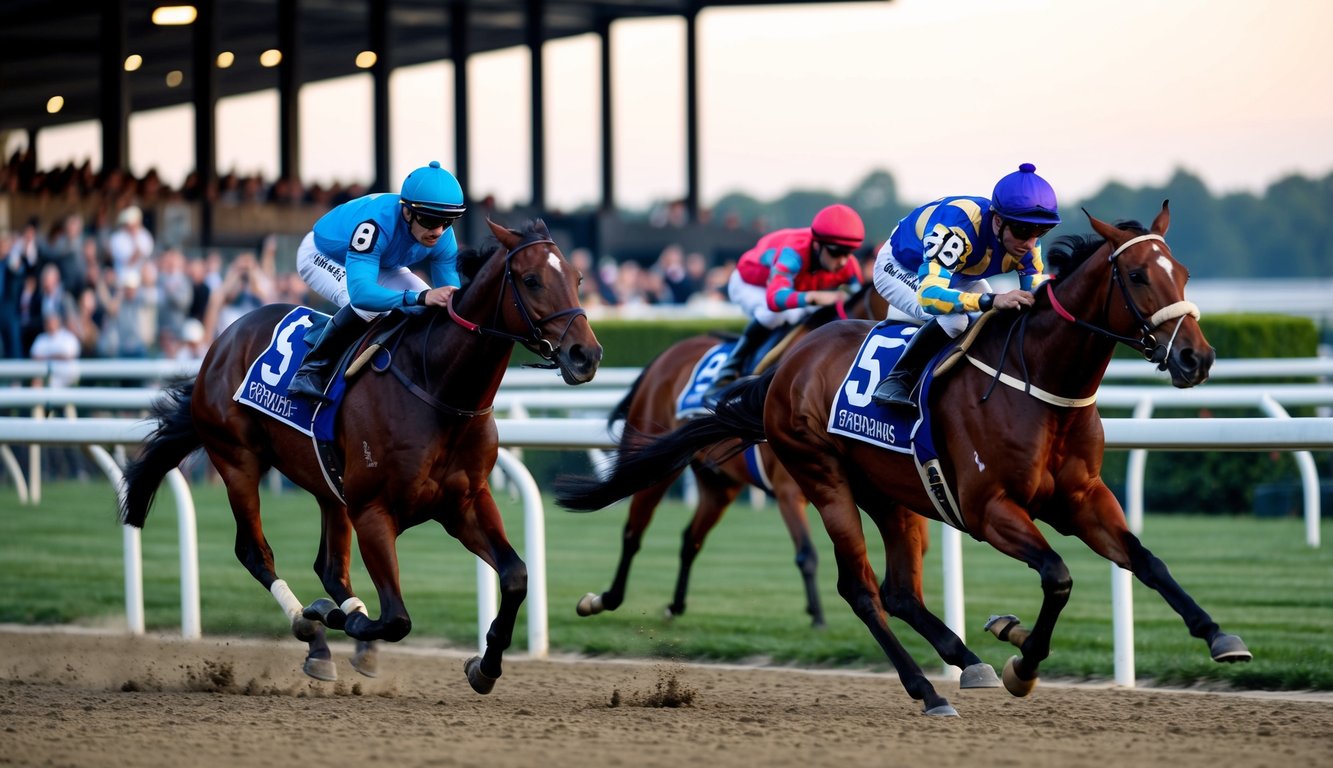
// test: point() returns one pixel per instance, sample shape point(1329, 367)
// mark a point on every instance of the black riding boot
point(896, 388)
point(342, 329)
point(754, 335)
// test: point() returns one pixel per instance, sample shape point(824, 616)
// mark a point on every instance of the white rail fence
point(1239, 434)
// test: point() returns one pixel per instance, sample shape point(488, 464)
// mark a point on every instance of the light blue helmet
point(434, 192)
point(1025, 196)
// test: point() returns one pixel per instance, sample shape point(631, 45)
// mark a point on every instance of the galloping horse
point(1018, 438)
point(417, 445)
point(720, 471)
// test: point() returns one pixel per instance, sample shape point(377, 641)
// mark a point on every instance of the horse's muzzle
point(1189, 367)
point(578, 364)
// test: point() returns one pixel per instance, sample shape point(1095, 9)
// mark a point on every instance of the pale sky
point(947, 95)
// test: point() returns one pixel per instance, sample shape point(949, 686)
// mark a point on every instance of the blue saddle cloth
point(266, 383)
point(854, 415)
point(690, 402)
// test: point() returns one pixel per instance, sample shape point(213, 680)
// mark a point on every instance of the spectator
point(131, 244)
point(175, 291)
point(59, 346)
point(197, 269)
point(244, 288)
point(87, 322)
point(66, 250)
point(122, 333)
point(52, 297)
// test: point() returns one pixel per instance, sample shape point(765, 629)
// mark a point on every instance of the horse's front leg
point(377, 534)
point(485, 538)
point(1008, 528)
point(333, 565)
point(1102, 527)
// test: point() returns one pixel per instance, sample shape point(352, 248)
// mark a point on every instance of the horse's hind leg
point(641, 508)
point(905, 540)
point(241, 471)
point(791, 504)
point(716, 493)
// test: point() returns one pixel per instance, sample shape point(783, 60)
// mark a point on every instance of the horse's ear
point(1163, 220)
point(540, 227)
point(507, 237)
point(1107, 231)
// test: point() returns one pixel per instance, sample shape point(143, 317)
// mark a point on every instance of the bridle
point(1147, 343)
point(533, 341)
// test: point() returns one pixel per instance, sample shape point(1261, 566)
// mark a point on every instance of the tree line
point(1285, 232)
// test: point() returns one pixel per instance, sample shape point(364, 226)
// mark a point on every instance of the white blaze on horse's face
point(554, 261)
point(1164, 262)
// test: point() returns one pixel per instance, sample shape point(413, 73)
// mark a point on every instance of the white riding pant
point(753, 300)
point(328, 278)
point(899, 285)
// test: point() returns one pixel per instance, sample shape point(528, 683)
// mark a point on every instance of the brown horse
point(720, 472)
point(417, 445)
point(1018, 437)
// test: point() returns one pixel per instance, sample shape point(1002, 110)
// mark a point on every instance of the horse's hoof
point(480, 681)
point(944, 709)
point(321, 669)
point(366, 660)
point(671, 612)
point(317, 610)
point(1016, 683)
point(1008, 629)
point(304, 629)
point(1229, 648)
point(590, 604)
point(979, 675)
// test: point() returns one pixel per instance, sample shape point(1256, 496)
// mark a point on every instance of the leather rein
point(533, 341)
point(1146, 344)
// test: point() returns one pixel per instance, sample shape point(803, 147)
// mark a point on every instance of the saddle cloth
point(853, 414)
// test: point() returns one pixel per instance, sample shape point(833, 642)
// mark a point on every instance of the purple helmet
point(1025, 196)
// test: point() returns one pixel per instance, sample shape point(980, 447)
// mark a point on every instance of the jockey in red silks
point(790, 273)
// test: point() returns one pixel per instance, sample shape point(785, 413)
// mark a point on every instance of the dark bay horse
point(649, 408)
point(417, 445)
point(1018, 437)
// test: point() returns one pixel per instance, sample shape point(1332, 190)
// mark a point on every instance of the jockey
point(789, 274)
point(934, 267)
point(358, 254)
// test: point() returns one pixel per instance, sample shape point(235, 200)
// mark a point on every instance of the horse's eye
point(1138, 278)
point(532, 282)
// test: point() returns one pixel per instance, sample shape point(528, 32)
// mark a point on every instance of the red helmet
point(838, 224)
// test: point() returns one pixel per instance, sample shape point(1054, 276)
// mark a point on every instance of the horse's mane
point(471, 259)
point(1068, 252)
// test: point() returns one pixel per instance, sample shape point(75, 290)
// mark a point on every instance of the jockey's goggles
point(839, 250)
point(1026, 230)
point(434, 219)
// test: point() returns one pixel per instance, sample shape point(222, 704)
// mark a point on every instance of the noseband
point(1147, 343)
point(533, 341)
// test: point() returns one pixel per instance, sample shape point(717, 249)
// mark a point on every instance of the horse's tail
point(644, 460)
point(168, 445)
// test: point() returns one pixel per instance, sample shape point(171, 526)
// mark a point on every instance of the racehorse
point(1025, 451)
point(720, 471)
point(417, 445)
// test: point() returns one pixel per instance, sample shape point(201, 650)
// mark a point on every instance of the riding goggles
point(839, 250)
point(433, 218)
point(1026, 230)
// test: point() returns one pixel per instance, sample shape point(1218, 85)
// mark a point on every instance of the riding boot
point(754, 335)
point(312, 378)
point(896, 388)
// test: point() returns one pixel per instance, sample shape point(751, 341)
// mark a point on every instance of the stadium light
point(174, 15)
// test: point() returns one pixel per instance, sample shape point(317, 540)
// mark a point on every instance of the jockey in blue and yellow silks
point(790, 273)
point(933, 268)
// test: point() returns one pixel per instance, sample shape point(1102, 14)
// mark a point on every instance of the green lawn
point(61, 562)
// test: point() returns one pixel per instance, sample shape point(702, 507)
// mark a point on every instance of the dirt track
point(111, 700)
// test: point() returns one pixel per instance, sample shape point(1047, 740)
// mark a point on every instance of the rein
point(1146, 344)
point(533, 342)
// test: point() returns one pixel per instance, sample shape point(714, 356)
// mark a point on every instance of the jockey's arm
point(782, 293)
point(935, 295)
point(363, 288)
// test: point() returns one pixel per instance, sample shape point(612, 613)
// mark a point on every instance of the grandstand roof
point(52, 48)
